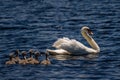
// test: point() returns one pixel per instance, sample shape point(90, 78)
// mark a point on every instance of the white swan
point(72, 46)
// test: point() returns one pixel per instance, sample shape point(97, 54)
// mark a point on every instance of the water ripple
point(26, 24)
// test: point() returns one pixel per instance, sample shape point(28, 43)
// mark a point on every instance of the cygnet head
point(11, 61)
point(37, 53)
point(11, 55)
point(24, 53)
point(31, 51)
point(16, 52)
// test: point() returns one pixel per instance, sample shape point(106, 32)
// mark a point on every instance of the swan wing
point(70, 45)
point(73, 46)
point(60, 41)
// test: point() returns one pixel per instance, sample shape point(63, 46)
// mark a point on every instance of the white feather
point(71, 46)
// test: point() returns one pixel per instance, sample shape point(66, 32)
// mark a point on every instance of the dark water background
point(26, 24)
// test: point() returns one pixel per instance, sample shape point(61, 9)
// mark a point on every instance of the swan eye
point(90, 32)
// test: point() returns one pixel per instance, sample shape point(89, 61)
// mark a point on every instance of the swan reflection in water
point(74, 57)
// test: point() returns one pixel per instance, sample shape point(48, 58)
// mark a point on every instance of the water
point(26, 24)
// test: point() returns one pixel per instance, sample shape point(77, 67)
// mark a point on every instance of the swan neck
point(91, 41)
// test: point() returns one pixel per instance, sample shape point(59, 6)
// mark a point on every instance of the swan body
point(71, 46)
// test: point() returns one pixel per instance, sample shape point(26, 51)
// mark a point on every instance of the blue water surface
point(36, 24)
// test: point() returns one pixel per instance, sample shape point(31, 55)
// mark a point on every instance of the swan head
point(87, 30)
